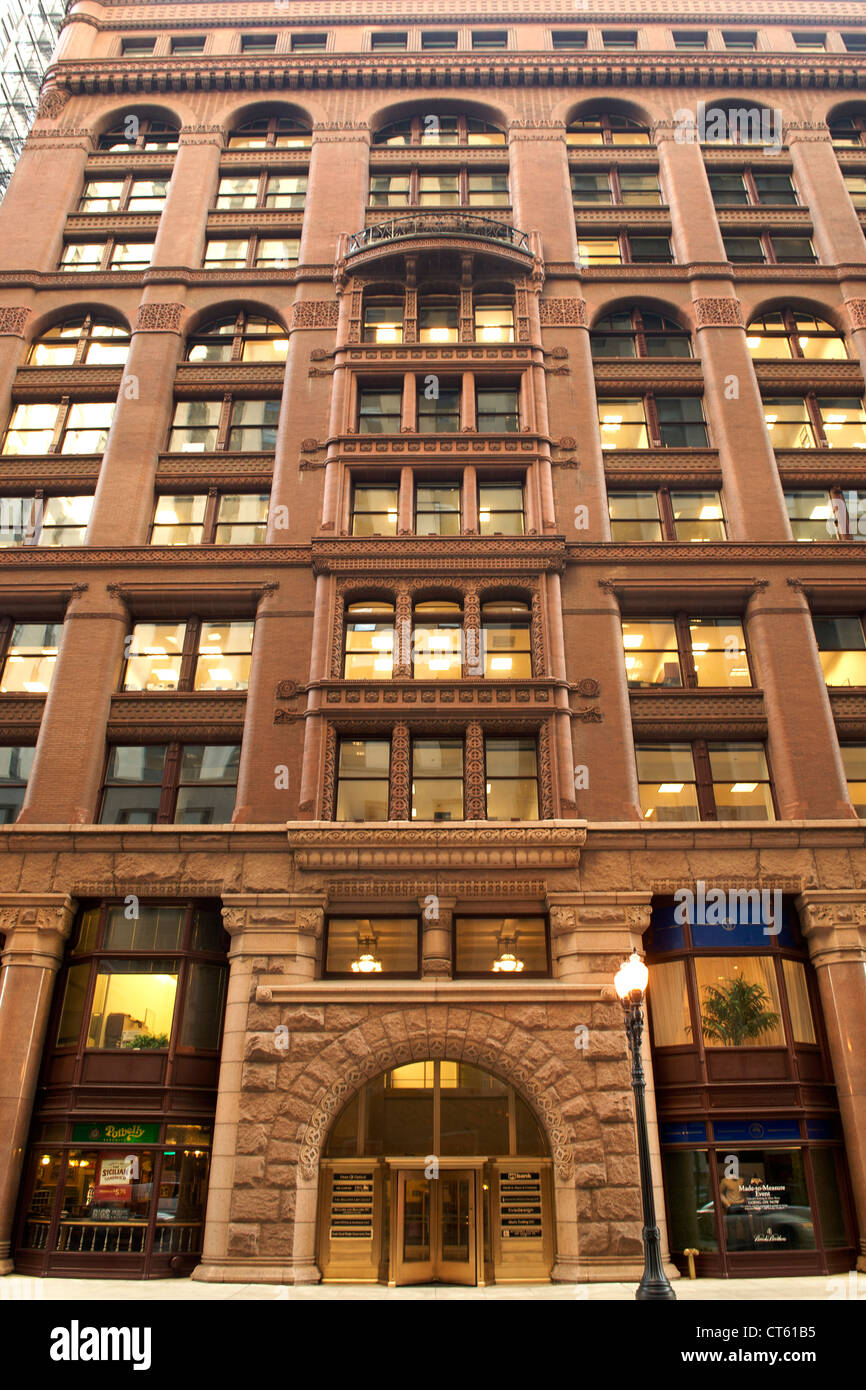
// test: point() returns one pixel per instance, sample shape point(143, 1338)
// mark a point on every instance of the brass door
point(435, 1235)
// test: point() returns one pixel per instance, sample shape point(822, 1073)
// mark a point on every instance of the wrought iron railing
point(444, 224)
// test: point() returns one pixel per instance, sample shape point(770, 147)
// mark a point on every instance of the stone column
point(686, 188)
point(269, 785)
point(581, 491)
point(855, 309)
point(474, 795)
point(753, 496)
point(473, 655)
point(125, 493)
point(336, 190)
point(834, 925)
point(191, 194)
point(49, 175)
point(66, 778)
point(36, 929)
point(802, 745)
point(541, 187)
point(437, 928)
point(821, 185)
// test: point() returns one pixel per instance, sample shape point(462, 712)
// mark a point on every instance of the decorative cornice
point(467, 845)
point(490, 554)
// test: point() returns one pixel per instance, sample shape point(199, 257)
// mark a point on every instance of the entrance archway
point(436, 1171)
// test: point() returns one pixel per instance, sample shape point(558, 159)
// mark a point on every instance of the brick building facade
point(431, 547)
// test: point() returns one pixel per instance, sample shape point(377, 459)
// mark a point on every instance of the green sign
point(129, 1133)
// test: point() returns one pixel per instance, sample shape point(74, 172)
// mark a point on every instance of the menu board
point(520, 1205)
point(351, 1206)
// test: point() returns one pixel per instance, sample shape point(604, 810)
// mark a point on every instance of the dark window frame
point(227, 401)
point(210, 521)
point(667, 516)
point(703, 782)
point(171, 783)
point(385, 975)
point(685, 654)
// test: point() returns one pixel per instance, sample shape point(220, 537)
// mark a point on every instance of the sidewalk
point(819, 1288)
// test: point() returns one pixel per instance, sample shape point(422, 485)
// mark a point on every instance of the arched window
point(606, 128)
point(440, 130)
point(383, 319)
point(270, 132)
point(87, 341)
point(438, 318)
point(639, 333)
point(437, 626)
point(240, 338)
point(369, 651)
point(793, 333)
point(138, 134)
point(506, 636)
point(848, 130)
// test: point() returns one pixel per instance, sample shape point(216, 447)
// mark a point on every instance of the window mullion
point(224, 421)
point(170, 784)
point(60, 425)
point(769, 248)
point(189, 654)
point(751, 186)
point(652, 420)
point(666, 510)
point(615, 186)
point(704, 780)
point(684, 647)
point(815, 418)
point(211, 512)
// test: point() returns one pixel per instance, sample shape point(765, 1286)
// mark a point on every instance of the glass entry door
point(436, 1227)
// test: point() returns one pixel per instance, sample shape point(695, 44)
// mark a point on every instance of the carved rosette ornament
point(856, 309)
point(721, 311)
point(563, 313)
point(476, 799)
point(13, 320)
point(399, 808)
point(51, 103)
point(159, 318)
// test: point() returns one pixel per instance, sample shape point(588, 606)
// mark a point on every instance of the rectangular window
point(640, 190)
point(31, 428)
point(599, 250)
point(87, 426)
point(501, 946)
point(187, 45)
point(276, 253)
point(568, 38)
point(131, 255)
point(178, 519)
point(226, 254)
point(374, 510)
point(651, 653)
point(698, 516)
point(854, 43)
point(489, 38)
point(195, 786)
point(494, 323)
point(258, 43)
point(222, 661)
point(133, 1000)
point(511, 779)
point(741, 781)
point(634, 517)
point(82, 255)
point(439, 414)
point(812, 516)
point(497, 410)
point(436, 642)
point(439, 190)
point(369, 641)
point(681, 422)
point(437, 509)
point(285, 191)
point(667, 782)
point(655, 249)
point(718, 651)
point(155, 651)
point(500, 509)
point(254, 425)
point(619, 38)
point(688, 39)
point(389, 190)
point(842, 649)
point(388, 42)
point(101, 195)
point(379, 411)
point(194, 427)
point(488, 190)
point(309, 43)
point(437, 779)
point(242, 518)
point(856, 186)
point(363, 767)
point(439, 39)
point(15, 765)
point(44, 520)
point(237, 192)
point(135, 47)
point(810, 42)
point(739, 1001)
point(854, 763)
point(742, 40)
point(777, 189)
point(623, 424)
point(364, 946)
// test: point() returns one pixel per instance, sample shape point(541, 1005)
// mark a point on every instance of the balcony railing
point(444, 224)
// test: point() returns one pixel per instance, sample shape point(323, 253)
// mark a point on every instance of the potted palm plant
point(736, 1012)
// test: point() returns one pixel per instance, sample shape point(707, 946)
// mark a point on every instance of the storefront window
point(764, 1203)
point(802, 1024)
point(45, 1174)
point(827, 1186)
point(691, 1210)
point(106, 1201)
point(202, 1016)
point(181, 1200)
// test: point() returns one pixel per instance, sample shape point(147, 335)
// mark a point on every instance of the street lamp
point(630, 984)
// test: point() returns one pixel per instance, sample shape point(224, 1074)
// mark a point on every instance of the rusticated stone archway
point(580, 1100)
